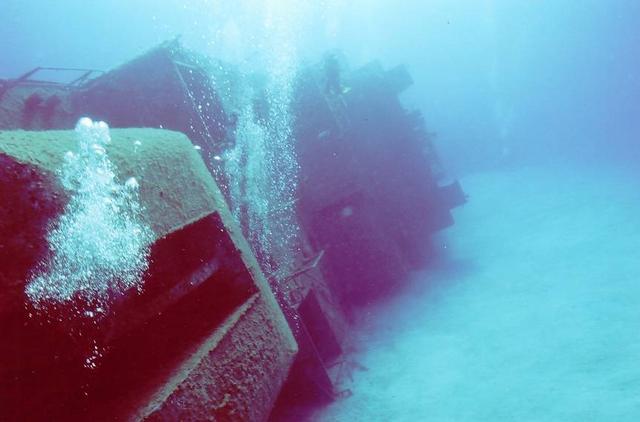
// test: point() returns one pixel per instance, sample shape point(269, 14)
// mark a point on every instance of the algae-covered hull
point(203, 313)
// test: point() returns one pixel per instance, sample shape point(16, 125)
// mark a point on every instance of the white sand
point(533, 315)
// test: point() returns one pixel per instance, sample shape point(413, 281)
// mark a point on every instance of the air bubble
point(99, 244)
point(132, 183)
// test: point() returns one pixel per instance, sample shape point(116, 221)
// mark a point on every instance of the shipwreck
point(245, 308)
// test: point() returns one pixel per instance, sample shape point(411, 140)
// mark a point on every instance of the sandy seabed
point(532, 314)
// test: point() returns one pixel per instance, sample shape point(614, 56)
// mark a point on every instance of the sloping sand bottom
point(532, 314)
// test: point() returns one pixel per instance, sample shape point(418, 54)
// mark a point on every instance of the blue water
point(533, 308)
point(492, 76)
